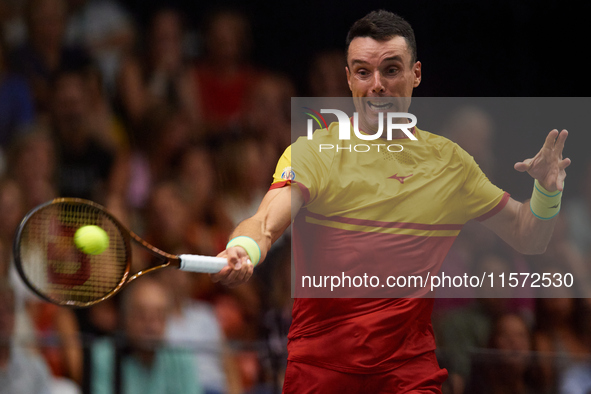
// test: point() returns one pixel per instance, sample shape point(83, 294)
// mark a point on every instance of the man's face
point(380, 69)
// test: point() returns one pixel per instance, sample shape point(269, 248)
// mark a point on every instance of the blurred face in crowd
point(227, 39)
point(166, 40)
point(169, 215)
point(70, 107)
point(326, 76)
point(146, 311)
point(512, 336)
point(11, 209)
point(377, 70)
point(47, 20)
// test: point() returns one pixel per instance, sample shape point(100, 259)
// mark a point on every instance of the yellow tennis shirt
point(393, 210)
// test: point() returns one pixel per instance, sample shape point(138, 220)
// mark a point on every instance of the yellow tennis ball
point(91, 239)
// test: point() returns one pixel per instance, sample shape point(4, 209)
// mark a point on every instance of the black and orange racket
point(51, 264)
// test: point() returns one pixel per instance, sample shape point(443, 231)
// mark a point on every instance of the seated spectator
point(560, 335)
point(12, 22)
point(210, 228)
point(20, 371)
point(145, 365)
point(461, 330)
point(267, 112)
point(161, 76)
point(86, 168)
point(224, 76)
point(238, 311)
point(168, 219)
point(31, 163)
point(326, 77)
point(508, 365)
point(16, 101)
point(245, 167)
point(11, 209)
point(576, 379)
point(193, 325)
point(158, 145)
point(44, 53)
point(105, 29)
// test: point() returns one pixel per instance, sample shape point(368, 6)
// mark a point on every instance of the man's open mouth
point(379, 105)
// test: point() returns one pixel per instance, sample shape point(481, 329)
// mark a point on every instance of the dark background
point(468, 48)
point(504, 48)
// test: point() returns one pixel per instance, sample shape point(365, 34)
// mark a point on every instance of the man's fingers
point(523, 166)
point(222, 275)
point(551, 139)
point(560, 142)
point(238, 270)
point(564, 163)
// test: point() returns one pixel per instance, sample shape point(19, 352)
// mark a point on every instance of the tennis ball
point(91, 239)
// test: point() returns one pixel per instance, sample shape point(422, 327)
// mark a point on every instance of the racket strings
point(55, 267)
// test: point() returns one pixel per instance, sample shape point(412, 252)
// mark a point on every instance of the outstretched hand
point(238, 270)
point(548, 166)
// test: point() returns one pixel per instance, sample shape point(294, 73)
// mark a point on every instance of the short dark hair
point(384, 25)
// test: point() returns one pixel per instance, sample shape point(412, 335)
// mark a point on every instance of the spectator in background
point(105, 29)
point(577, 378)
point(238, 312)
point(326, 75)
point(160, 76)
point(472, 128)
point(508, 367)
point(12, 210)
point(193, 325)
point(31, 163)
point(16, 101)
point(12, 23)
point(267, 112)
point(466, 328)
point(146, 366)
point(224, 76)
point(245, 164)
point(44, 52)
point(105, 124)
point(20, 372)
point(198, 186)
point(168, 219)
point(85, 167)
point(559, 334)
point(158, 145)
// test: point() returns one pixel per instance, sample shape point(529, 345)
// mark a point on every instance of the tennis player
point(384, 345)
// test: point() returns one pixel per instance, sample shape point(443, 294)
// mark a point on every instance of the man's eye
point(363, 73)
point(392, 70)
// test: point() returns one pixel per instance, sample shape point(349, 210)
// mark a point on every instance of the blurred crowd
point(179, 141)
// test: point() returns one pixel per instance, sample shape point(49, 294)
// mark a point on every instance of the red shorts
point(420, 375)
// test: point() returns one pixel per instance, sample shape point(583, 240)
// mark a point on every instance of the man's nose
point(378, 85)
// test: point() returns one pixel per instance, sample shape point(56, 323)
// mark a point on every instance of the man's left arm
point(528, 228)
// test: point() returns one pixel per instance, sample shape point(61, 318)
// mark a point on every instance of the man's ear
point(417, 72)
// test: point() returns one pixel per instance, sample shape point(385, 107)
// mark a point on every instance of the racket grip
point(197, 263)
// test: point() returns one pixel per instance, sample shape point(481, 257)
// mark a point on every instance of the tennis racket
point(51, 265)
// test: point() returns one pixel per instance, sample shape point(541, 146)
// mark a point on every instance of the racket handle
point(197, 263)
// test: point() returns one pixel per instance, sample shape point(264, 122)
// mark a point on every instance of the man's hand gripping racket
point(50, 263)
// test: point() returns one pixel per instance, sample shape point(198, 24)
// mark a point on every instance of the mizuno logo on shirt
point(399, 178)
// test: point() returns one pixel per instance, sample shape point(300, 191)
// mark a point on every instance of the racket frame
point(127, 235)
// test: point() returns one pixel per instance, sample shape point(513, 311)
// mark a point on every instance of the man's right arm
point(265, 227)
